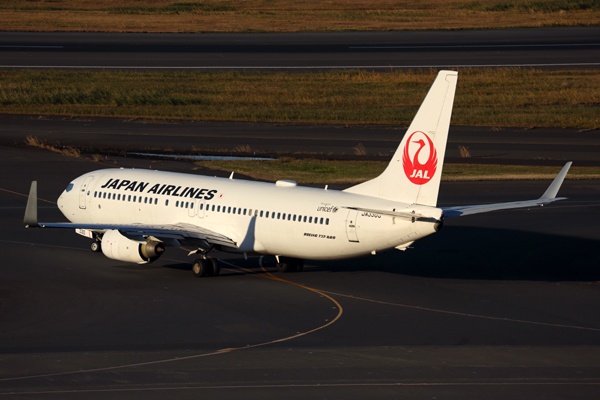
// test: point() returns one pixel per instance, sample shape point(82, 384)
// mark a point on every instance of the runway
point(541, 48)
point(540, 146)
point(494, 306)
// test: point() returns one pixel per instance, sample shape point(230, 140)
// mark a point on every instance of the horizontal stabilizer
point(548, 197)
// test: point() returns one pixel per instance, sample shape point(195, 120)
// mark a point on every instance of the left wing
point(178, 231)
point(548, 197)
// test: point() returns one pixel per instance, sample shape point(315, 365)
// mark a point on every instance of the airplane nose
point(61, 200)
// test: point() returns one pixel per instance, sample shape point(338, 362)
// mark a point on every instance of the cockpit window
point(69, 187)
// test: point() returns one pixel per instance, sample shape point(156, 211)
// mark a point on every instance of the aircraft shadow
point(487, 254)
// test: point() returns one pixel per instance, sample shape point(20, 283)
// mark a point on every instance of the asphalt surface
point(542, 48)
point(494, 306)
point(540, 146)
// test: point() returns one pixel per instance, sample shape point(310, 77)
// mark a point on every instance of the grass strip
point(290, 16)
point(353, 172)
point(486, 97)
point(349, 172)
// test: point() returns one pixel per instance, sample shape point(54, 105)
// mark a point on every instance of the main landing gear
point(206, 267)
point(288, 264)
point(209, 266)
point(96, 246)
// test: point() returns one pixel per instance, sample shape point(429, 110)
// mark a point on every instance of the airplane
point(133, 214)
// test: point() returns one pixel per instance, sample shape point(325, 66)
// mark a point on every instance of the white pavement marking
point(476, 46)
point(308, 67)
point(32, 47)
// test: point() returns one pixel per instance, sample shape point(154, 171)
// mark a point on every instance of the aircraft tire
point(215, 267)
point(96, 246)
point(201, 267)
point(286, 265)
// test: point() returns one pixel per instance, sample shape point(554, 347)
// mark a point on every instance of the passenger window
point(261, 213)
point(134, 198)
point(213, 207)
point(294, 217)
point(321, 221)
point(201, 206)
point(283, 216)
point(156, 201)
point(119, 197)
point(278, 215)
point(140, 199)
point(310, 220)
point(95, 193)
point(129, 198)
point(267, 215)
point(327, 221)
point(289, 217)
point(316, 220)
point(239, 211)
point(177, 204)
point(218, 208)
point(305, 218)
point(145, 200)
point(166, 202)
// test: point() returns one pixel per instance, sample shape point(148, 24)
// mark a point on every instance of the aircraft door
point(201, 207)
point(83, 190)
point(351, 226)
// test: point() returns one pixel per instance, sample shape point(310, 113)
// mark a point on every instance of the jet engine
point(119, 247)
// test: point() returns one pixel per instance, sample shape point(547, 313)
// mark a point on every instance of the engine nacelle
point(119, 247)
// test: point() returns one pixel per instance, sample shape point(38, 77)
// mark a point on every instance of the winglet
point(552, 190)
point(30, 219)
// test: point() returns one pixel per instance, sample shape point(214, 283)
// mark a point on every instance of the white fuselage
point(265, 218)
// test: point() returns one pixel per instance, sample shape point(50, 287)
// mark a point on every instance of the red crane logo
point(418, 173)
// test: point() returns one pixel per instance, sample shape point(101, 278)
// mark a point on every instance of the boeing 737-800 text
point(133, 214)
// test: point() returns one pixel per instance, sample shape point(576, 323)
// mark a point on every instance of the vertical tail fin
point(413, 175)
